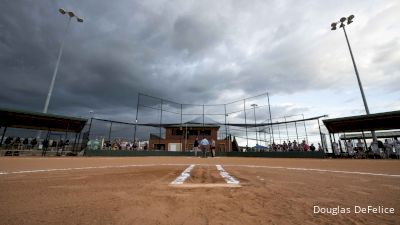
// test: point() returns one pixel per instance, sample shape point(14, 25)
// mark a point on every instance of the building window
point(177, 132)
point(205, 132)
point(193, 132)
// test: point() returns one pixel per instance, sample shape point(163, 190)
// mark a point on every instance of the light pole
point(255, 121)
point(342, 25)
point(228, 137)
point(71, 15)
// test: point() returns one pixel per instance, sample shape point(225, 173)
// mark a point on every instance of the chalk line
point(228, 178)
point(184, 175)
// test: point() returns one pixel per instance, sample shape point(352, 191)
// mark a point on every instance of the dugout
point(10, 118)
point(373, 122)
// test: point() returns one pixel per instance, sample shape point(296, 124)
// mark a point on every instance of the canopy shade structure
point(40, 121)
point(377, 121)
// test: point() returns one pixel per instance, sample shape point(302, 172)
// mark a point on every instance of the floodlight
point(350, 19)
point(333, 25)
point(342, 19)
point(71, 14)
point(62, 11)
point(79, 20)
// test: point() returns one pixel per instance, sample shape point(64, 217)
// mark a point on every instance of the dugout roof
point(368, 135)
point(40, 121)
point(377, 121)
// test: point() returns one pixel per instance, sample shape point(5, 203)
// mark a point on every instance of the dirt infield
point(138, 190)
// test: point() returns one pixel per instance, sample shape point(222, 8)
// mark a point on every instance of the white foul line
point(228, 178)
point(87, 168)
point(319, 170)
point(181, 164)
point(184, 175)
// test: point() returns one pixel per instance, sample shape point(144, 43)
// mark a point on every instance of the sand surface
point(138, 190)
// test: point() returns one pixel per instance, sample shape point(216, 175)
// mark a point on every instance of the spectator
point(396, 144)
point(212, 148)
point(17, 142)
point(312, 147)
point(360, 145)
point(388, 148)
point(295, 147)
point(33, 143)
point(8, 141)
point(196, 146)
point(54, 145)
point(350, 149)
point(285, 146)
point(305, 146)
point(66, 144)
point(336, 149)
point(25, 143)
point(204, 144)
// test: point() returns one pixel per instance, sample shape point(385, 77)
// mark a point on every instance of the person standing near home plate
point(196, 146)
point(204, 146)
point(212, 148)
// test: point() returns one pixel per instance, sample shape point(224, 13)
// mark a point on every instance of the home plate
point(206, 185)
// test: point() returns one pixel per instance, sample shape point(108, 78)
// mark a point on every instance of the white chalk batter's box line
point(186, 174)
point(182, 164)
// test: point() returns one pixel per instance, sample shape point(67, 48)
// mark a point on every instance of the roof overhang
point(377, 121)
point(40, 121)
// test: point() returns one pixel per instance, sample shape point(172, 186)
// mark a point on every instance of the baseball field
point(189, 190)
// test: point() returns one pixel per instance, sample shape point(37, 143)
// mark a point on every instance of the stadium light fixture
point(71, 15)
point(342, 25)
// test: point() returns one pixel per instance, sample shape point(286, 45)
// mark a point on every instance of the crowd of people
point(378, 149)
point(116, 144)
point(294, 146)
point(18, 143)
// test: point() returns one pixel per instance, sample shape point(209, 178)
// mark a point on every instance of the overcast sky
point(203, 52)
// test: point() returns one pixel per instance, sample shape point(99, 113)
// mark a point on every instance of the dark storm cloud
point(188, 52)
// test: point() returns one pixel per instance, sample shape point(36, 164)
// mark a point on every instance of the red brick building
point(181, 137)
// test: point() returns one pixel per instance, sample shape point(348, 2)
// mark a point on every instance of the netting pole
point(287, 132)
point(279, 134)
point(136, 120)
point(305, 128)
point(255, 124)
point(185, 138)
point(365, 142)
point(297, 135)
point(181, 128)
point(226, 128)
point(265, 138)
point(270, 118)
point(203, 122)
point(90, 127)
point(109, 133)
point(320, 134)
point(245, 123)
point(181, 116)
point(159, 137)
